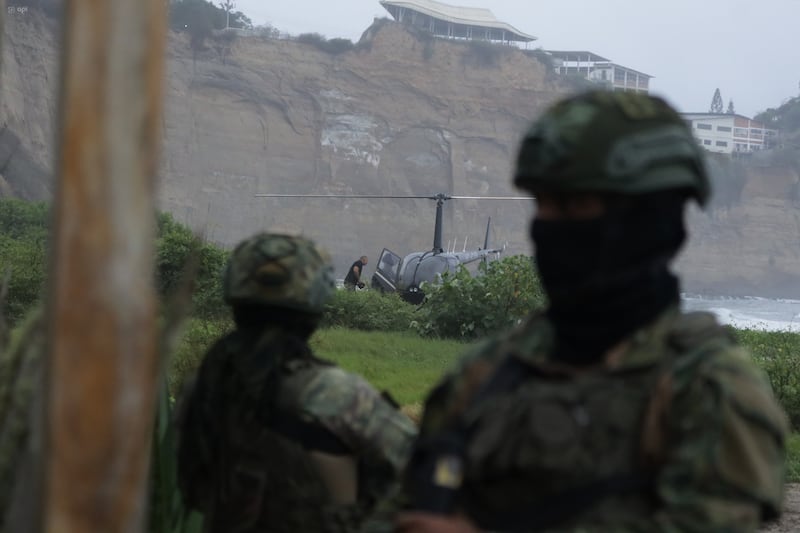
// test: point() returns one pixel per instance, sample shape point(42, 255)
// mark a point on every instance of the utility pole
point(101, 306)
point(228, 6)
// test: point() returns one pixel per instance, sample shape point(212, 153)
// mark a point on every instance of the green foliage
point(200, 17)
point(167, 513)
point(716, 103)
point(23, 254)
point(369, 311)
point(399, 362)
point(785, 118)
point(793, 459)
point(464, 306)
point(24, 246)
point(778, 354)
point(329, 46)
point(542, 57)
point(267, 31)
point(197, 339)
point(174, 246)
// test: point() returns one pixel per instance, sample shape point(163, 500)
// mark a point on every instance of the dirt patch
point(790, 520)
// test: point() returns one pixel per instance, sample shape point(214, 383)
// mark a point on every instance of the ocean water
point(748, 312)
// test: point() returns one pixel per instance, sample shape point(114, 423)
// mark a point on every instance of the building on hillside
point(600, 70)
point(729, 133)
point(454, 22)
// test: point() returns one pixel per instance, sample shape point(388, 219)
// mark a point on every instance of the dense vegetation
point(464, 307)
point(786, 117)
point(24, 252)
point(202, 15)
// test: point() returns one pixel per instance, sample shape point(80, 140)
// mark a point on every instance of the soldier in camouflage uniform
point(611, 410)
point(271, 438)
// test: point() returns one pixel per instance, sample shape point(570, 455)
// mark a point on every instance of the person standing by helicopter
point(353, 278)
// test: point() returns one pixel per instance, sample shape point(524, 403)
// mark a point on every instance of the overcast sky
point(749, 49)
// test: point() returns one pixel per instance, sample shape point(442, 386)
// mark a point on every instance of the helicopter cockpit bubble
point(431, 268)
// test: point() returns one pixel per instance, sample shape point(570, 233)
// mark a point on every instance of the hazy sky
point(749, 49)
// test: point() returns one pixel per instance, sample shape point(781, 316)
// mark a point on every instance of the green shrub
point(332, 46)
point(793, 459)
point(778, 354)
point(464, 306)
point(24, 243)
point(24, 248)
point(369, 311)
point(544, 58)
point(174, 245)
point(197, 339)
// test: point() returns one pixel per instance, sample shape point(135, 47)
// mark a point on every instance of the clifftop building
point(454, 22)
point(729, 133)
point(600, 70)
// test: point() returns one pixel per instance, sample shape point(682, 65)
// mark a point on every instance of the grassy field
point(793, 458)
point(402, 363)
point(408, 366)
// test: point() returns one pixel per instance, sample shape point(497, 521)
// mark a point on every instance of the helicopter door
point(385, 276)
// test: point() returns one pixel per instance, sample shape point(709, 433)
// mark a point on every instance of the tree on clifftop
point(197, 15)
point(716, 102)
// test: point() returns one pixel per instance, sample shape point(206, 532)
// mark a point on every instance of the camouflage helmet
point(276, 270)
point(613, 142)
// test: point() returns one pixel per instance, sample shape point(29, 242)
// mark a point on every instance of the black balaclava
point(608, 276)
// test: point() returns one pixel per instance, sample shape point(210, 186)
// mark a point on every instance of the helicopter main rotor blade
point(396, 197)
point(491, 197)
point(373, 196)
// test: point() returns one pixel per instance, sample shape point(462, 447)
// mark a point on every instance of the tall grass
point(400, 363)
point(408, 366)
point(403, 364)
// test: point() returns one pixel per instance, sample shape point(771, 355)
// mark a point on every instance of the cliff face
point(27, 106)
point(399, 115)
point(748, 241)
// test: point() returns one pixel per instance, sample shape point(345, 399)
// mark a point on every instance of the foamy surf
point(748, 312)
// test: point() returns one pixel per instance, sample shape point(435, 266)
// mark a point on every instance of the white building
point(729, 133)
point(599, 70)
point(454, 22)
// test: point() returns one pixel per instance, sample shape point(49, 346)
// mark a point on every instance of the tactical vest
point(536, 446)
point(275, 470)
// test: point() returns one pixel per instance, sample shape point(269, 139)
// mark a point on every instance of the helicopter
point(406, 275)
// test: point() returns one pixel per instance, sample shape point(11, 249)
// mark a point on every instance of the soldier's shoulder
point(708, 346)
point(523, 339)
point(479, 362)
point(327, 389)
point(713, 360)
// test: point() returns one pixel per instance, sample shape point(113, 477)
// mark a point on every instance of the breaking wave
point(748, 312)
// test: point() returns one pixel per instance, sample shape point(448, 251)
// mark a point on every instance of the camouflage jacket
point(226, 423)
point(677, 431)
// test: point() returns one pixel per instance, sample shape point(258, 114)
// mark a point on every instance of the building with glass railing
point(729, 133)
point(454, 22)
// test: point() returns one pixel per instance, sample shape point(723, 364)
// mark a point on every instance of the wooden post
point(102, 309)
point(2, 35)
